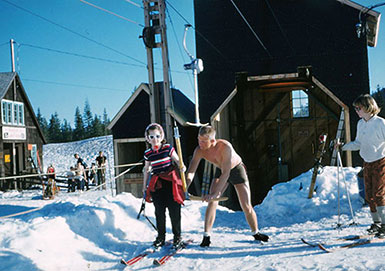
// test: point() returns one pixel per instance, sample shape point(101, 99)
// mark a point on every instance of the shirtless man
point(221, 153)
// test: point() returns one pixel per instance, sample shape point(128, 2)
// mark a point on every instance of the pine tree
point(54, 134)
point(78, 132)
point(379, 96)
point(105, 123)
point(87, 119)
point(42, 123)
point(97, 127)
point(66, 131)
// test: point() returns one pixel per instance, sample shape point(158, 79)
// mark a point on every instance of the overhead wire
point(179, 47)
point(112, 13)
point(251, 29)
point(73, 32)
point(84, 56)
point(279, 26)
point(80, 55)
point(73, 85)
point(135, 4)
point(197, 31)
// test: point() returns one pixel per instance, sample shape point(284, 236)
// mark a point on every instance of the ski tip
point(156, 262)
point(323, 248)
point(122, 261)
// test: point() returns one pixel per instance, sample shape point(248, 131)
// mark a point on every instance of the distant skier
point(80, 176)
point(370, 141)
point(231, 170)
point(165, 187)
point(85, 168)
point(51, 188)
point(101, 162)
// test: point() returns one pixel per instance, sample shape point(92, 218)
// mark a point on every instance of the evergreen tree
point(105, 123)
point(379, 96)
point(78, 132)
point(87, 119)
point(66, 131)
point(42, 123)
point(54, 134)
point(97, 127)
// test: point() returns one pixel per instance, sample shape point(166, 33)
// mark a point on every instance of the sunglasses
point(153, 136)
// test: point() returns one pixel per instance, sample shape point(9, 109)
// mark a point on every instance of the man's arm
point(218, 187)
point(197, 156)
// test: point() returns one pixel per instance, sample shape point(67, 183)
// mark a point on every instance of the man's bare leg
point(244, 197)
point(210, 215)
point(243, 192)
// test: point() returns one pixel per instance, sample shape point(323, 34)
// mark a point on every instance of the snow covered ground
point(61, 155)
point(94, 230)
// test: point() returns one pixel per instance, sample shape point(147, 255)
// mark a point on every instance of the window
point(300, 104)
point(12, 112)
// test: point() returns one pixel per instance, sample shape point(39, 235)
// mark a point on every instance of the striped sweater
point(161, 159)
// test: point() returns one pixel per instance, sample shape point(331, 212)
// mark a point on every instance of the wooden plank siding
point(260, 125)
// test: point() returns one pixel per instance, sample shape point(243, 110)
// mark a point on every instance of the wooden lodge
point(253, 93)
point(274, 122)
point(21, 137)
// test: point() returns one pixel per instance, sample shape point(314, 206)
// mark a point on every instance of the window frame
point(303, 103)
point(12, 113)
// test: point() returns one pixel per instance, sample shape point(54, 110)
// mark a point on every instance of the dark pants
point(162, 199)
point(80, 183)
point(374, 177)
point(71, 185)
point(101, 177)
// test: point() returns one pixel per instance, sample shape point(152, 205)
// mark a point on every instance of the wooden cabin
point(128, 128)
point(274, 123)
point(21, 137)
point(255, 111)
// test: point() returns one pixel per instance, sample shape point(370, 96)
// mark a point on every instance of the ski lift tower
point(154, 36)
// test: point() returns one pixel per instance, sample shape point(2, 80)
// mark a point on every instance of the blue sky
point(58, 42)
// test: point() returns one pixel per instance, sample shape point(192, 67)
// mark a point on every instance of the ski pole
point(142, 207)
point(346, 187)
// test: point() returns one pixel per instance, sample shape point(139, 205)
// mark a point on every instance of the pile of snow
point(94, 230)
point(288, 203)
point(61, 155)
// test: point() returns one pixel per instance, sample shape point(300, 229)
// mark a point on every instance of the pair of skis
point(170, 252)
point(359, 240)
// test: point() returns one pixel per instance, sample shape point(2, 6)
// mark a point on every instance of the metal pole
point(12, 56)
point(195, 73)
point(346, 187)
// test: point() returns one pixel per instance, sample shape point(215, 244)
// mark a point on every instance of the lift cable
point(73, 32)
point(251, 29)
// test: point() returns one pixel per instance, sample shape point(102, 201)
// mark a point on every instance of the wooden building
point(283, 36)
point(128, 128)
point(274, 122)
point(21, 136)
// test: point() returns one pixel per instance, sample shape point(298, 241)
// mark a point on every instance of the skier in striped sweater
point(165, 188)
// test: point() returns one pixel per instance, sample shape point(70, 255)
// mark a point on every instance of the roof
point(182, 107)
point(281, 82)
point(6, 79)
point(372, 20)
